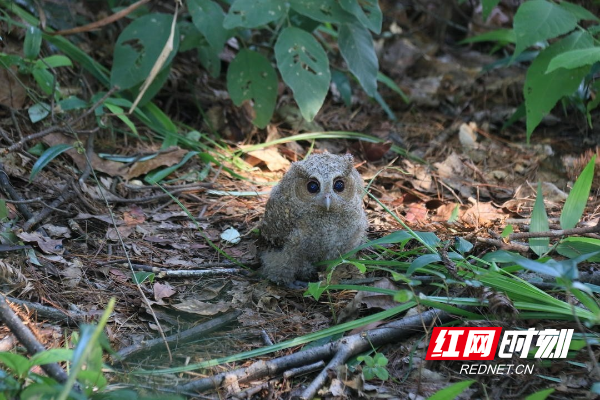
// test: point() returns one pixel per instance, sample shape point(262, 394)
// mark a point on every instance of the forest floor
point(463, 176)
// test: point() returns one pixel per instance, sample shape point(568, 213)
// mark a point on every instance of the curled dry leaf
point(47, 245)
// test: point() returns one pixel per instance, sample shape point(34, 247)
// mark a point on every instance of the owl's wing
point(281, 216)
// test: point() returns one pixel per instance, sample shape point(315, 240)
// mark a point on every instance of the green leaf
point(208, 18)
point(38, 111)
point(52, 356)
point(37, 150)
point(138, 47)
point(578, 197)
point(487, 6)
point(342, 83)
point(209, 58)
point(54, 62)
point(366, 11)
point(356, 46)
point(159, 175)
point(387, 81)
point(574, 59)
point(120, 113)
point(251, 77)
point(542, 90)
point(45, 79)
point(578, 11)
point(50, 154)
point(16, 363)
point(538, 20)
point(452, 391)
point(539, 223)
point(32, 43)
point(72, 103)
point(422, 261)
point(499, 35)
point(304, 67)
point(253, 13)
point(321, 10)
point(508, 229)
point(575, 246)
point(142, 276)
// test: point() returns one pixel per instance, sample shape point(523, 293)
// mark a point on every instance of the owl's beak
point(327, 201)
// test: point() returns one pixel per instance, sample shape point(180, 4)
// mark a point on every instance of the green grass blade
point(539, 223)
point(577, 199)
point(50, 154)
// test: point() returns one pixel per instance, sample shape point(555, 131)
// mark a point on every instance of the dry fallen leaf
point(162, 291)
point(47, 245)
point(195, 306)
point(271, 157)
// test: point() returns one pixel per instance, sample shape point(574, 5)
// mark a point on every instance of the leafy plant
point(290, 26)
point(566, 60)
point(375, 366)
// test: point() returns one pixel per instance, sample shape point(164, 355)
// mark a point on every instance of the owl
point(315, 213)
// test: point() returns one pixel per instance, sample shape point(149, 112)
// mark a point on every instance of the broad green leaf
point(366, 11)
point(487, 6)
point(122, 115)
point(190, 37)
point(38, 111)
point(54, 62)
point(578, 197)
point(356, 46)
point(499, 35)
point(578, 11)
point(304, 67)
point(253, 13)
point(572, 247)
point(539, 223)
point(251, 77)
point(542, 90)
point(52, 356)
point(32, 43)
point(574, 59)
point(142, 276)
point(15, 363)
point(208, 18)
point(50, 154)
point(209, 58)
point(45, 79)
point(321, 10)
point(138, 47)
point(452, 391)
point(72, 103)
point(3, 211)
point(422, 261)
point(342, 83)
point(539, 20)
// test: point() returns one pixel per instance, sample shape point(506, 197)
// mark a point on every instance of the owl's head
point(327, 181)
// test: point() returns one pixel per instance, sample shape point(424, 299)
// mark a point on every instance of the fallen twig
point(338, 352)
point(53, 314)
point(202, 329)
point(26, 337)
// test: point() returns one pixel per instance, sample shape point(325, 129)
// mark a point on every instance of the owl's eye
point(313, 187)
point(338, 185)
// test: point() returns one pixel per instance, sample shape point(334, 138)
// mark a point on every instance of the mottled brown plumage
point(315, 213)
